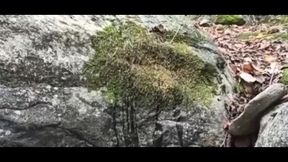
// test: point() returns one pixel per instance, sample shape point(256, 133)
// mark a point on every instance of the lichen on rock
point(134, 64)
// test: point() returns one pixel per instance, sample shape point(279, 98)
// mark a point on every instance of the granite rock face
point(44, 100)
point(274, 127)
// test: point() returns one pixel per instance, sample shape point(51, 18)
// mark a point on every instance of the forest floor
point(257, 56)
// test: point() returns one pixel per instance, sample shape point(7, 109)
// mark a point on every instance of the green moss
point(263, 35)
point(230, 20)
point(181, 48)
point(278, 36)
point(135, 66)
point(284, 78)
point(154, 77)
point(189, 39)
point(239, 88)
point(250, 35)
point(110, 97)
point(283, 19)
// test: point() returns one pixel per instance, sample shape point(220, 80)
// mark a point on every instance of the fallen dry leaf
point(258, 69)
point(247, 67)
point(269, 58)
point(256, 60)
point(248, 78)
point(233, 68)
point(260, 79)
point(264, 45)
point(274, 68)
point(239, 45)
point(248, 59)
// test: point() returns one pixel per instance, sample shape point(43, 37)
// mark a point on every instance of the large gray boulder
point(44, 100)
point(274, 128)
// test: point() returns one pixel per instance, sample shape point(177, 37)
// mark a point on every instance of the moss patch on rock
point(284, 78)
point(136, 66)
point(230, 20)
point(239, 87)
point(250, 35)
point(264, 35)
point(189, 39)
point(280, 19)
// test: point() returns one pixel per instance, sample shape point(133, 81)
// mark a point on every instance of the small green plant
point(239, 87)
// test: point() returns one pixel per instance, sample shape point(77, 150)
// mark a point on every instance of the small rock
point(273, 30)
point(7, 133)
point(63, 78)
point(205, 23)
point(17, 112)
point(48, 87)
point(183, 116)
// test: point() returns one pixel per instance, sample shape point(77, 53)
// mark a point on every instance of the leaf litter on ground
point(255, 62)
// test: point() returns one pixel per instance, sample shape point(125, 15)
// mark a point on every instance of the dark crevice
point(134, 133)
point(127, 120)
point(8, 123)
point(26, 73)
point(151, 115)
point(32, 127)
point(30, 106)
point(93, 104)
point(68, 131)
point(9, 143)
point(180, 134)
point(114, 122)
point(126, 127)
point(78, 135)
point(158, 141)
point(17, 127)
point(123, 122)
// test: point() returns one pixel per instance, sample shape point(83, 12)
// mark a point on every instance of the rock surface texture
point(44, 101)
point(274, 127)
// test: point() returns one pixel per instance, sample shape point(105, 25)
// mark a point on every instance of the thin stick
point(175, 34)
point(225, 115)
point(224, 141)
point(272, 76)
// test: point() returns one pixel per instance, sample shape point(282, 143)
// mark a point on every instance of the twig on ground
point(272, 75)
point(247, 122)
point(225, 139)
point(175, 34)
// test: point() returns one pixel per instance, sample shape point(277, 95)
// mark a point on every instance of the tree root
point(248, 122)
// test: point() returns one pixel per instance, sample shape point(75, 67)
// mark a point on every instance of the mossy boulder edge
point(131, 61)
point(230, 20)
